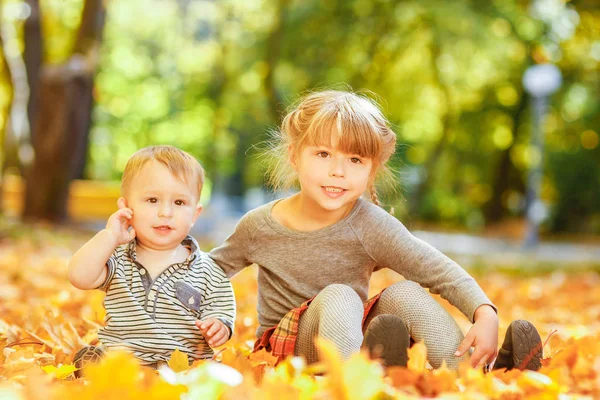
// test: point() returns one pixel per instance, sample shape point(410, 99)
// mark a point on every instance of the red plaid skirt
point(280, 340)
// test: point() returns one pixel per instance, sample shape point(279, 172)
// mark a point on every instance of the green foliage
point(213, 77)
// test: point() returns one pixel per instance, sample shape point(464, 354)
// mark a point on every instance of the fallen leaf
point(178, 361)
point(61, 372)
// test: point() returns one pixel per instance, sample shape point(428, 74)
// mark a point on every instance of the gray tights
point(336, 314)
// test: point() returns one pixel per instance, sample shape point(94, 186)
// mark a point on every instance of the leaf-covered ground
point(43, 321)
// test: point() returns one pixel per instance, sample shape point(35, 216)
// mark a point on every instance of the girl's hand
point(483, 336)
point(214, 331)
point(119, 223)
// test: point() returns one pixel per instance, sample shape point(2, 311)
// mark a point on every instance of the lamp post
point(540, 81)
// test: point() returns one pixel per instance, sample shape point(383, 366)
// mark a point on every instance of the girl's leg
point(335, 314)
point(425, 319)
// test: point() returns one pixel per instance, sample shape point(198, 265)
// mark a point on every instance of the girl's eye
point(179, 202)
point(323, 154)
point(152, 200)
point(356, 160)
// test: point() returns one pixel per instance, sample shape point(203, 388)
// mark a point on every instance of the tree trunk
point(61, 130)
point(33, 57)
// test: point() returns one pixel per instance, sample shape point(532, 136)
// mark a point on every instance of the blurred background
point(484, 152)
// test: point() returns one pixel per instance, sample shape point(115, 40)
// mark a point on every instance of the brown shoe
point(522, 347)
point(387, 338)
point(85, 356)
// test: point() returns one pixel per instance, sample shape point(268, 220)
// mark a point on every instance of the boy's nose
point(165, 211)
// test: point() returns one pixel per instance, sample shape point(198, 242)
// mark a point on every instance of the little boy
point(162, 292)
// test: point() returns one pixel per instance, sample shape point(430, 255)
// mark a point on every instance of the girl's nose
point(337, 168)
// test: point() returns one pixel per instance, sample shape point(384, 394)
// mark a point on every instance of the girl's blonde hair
point(355, 119)
point(181, 164)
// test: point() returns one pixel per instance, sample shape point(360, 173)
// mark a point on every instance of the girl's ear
point(292, 156)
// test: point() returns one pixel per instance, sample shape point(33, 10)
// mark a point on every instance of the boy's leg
point(425, 320)
point(87, 355)
point(335, 314)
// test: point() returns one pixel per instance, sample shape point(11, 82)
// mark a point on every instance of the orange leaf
point(262, 357)
point(402, 377)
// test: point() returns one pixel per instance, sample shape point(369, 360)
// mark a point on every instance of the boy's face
point(164, 207)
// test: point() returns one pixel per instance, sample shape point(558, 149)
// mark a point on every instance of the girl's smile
point(333, 192)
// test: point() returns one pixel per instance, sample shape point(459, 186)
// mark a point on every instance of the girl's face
point(331, 181)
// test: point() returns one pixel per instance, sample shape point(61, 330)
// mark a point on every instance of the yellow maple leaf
point(535, 382)
point(363, 377)
point(116, 369)
point(178, 361)
point(61, 372)
point(331, 358)
point(417, 357)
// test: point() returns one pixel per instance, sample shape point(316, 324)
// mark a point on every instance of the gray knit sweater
point(295, 266)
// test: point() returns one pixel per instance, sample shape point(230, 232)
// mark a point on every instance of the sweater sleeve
point(232, 255)
point(392, 246)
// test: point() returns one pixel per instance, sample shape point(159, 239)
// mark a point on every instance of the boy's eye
point(179, 202)
point(323, 154)
point(152, 200)
point(356, 160)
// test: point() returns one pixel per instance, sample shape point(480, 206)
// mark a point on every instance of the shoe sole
point(527, 346)
point(86, 355)
point(387, 338)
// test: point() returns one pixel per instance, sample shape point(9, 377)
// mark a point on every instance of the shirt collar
point(188, 242)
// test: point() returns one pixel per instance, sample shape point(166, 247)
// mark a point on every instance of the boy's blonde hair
point(356, 121)
point(180, 164)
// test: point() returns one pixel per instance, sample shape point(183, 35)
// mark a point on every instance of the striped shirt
point(153, 318)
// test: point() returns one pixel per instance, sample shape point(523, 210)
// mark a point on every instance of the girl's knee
point(339, 292)
point(338, 301)
point(405, 290)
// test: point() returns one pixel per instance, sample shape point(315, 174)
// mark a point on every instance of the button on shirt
point(153, 318)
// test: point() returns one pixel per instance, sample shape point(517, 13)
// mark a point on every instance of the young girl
point(316, 251)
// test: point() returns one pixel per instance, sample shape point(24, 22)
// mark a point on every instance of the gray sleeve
point(219, 301)
point(392, 246)
point(231, 256)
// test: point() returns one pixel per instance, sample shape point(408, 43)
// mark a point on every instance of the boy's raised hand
point(214, 331)
point(483, 336)
point(119, 223)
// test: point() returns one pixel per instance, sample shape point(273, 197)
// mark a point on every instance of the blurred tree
point(212, 77)
point(61, 126)
point(15, 138)
point(33, 56)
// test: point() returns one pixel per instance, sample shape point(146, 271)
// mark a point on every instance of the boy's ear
point(197, 213)
point(122, 202)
